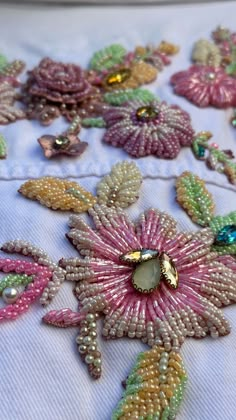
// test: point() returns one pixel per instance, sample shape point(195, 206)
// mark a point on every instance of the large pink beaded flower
point(148, 129)
point(55, 88)
point(150, 282)
point(206, 85)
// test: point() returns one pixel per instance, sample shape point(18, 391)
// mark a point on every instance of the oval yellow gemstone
point(118, 77)
point(168, 271)
point(147, 276)
point(146, 113)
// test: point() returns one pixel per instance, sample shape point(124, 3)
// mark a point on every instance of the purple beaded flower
point(148, 129)
point(55, 88)
point(206, 85)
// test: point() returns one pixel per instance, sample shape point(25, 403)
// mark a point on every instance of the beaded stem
point(218, 160)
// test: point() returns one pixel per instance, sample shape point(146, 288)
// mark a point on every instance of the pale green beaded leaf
point(217, 224)
point(121, 187)
point(121, 96)
point(14, 280)
point(194, 198)
point(93, 122)
point(3, 147)
point(108, 57)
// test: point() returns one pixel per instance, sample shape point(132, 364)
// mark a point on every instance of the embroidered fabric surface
point(149, 281)
point(159, 193)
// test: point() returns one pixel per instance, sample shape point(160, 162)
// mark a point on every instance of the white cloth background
point(42, 377)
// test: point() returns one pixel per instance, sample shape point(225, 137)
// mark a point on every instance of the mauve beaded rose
point(206, 85)
point(148, 129)
point(59, 82)
point(55, 88)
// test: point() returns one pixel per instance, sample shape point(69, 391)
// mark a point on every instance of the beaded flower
point(151, 283)
point(8, 94)
point(153, 128)
point(148, 281)
point(66, 143)
point(211, 80)
point(206, 85)
point(55, 88)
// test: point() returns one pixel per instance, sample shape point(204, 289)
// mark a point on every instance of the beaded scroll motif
point(150, 282)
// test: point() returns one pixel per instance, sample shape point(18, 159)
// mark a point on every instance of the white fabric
point(42, 376)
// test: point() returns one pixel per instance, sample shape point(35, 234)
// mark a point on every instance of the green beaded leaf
point(15, 280)
point(194, 198)
point(108, 57)
point(217, 224)
point(147, 379)
point(93, 122)
point(3, 147)
point(3, 62)
point(231, 69)
point(121, 96)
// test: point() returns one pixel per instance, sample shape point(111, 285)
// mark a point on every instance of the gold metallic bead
point(168, 270)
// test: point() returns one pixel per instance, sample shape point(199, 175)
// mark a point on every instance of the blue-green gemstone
point(226, 235)
point(201, 151)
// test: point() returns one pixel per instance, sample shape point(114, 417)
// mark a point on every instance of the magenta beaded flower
point(149, 281)
point(148, 129)
point(206, 85)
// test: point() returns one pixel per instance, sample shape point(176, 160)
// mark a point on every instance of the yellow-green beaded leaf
point(121, 96)
point(217, 224)
point(108, 57)
point(58, 194)
point(194, 198)
point(121, 187)
point(3, 147)
point(160, 374)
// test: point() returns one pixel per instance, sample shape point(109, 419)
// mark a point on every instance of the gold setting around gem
point(139, 256)
point(168, 271)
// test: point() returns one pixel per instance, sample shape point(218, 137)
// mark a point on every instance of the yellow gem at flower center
point(118, 77)
point(146, 113)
